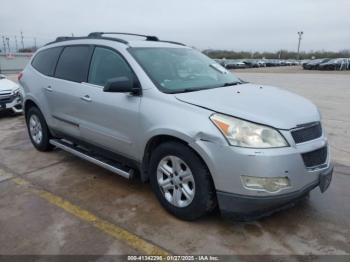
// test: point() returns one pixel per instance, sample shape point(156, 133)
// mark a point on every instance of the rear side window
point(107, 64)
point(46, 60)
point(73, 64)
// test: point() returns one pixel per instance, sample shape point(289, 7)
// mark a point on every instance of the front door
point(109, 120)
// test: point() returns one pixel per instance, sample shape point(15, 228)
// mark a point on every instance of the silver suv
point(166, 113)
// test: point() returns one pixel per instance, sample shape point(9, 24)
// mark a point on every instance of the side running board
point(112, 166)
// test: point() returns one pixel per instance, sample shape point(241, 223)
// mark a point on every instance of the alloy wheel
point(176, 181)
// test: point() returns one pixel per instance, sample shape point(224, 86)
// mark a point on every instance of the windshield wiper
point(187, 90)
point(232, 83)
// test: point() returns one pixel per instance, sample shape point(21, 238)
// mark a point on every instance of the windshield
point(176, 70)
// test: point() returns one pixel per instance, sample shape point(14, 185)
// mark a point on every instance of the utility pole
point(22, 40)
point(300, 33)
point(35, 42)
point(8, 44)
point(16, 44)
point(3, 42)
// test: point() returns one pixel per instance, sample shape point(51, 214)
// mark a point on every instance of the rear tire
point(37, 129)
point(187, 189)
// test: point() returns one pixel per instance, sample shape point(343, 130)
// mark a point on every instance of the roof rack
point(99, 35)
point(68, 38)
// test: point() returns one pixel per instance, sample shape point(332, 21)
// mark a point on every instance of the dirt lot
point(54, 203)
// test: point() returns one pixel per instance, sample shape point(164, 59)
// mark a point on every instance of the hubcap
point(35, 129)
point(176, 181)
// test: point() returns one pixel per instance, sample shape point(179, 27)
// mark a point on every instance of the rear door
point(109, 120)
point(67, 89)
point(45, 63)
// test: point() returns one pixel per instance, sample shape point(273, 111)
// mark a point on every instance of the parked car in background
point(313, 64)
point(334, 64)
point(252, 63)
point(304, 61)
point(272, 62)
point(10, 96)
point(235, 64)
point(261, 63)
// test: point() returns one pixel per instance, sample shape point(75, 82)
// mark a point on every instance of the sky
point(249, 25)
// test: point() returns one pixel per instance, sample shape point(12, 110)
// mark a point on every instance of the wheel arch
point(154, 141)
point(28, 103)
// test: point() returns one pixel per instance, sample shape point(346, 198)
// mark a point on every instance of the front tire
point(181, 181)
point(37, 129)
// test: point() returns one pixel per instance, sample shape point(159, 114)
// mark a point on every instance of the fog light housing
point(269, 184)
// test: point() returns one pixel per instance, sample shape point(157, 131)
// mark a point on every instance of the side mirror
point(121, 85)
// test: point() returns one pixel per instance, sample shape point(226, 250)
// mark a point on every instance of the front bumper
point(228, 164)
point(15, 105)
point(242, 207)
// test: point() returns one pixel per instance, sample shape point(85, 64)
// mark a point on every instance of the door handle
point(49, 88)
point(86, 98)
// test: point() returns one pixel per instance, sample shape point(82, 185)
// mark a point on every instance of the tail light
point(20, 76)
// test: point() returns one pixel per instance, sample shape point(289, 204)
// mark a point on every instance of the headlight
point(269, 184)
point(247, 134)
point(16, 92)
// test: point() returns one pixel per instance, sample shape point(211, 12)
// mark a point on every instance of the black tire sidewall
point(204, 199)
point(45, 141)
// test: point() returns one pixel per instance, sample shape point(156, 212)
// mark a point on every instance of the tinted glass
point(107, 64)
point(46, 60)
point(176, 70)
point(73, 64)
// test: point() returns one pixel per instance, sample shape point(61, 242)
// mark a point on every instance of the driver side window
point(107, 64)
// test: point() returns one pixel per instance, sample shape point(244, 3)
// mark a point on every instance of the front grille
point(307, 133)
point(6, 99)
point(315, 158)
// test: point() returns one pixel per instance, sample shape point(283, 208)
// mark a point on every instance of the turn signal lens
point(268, 184)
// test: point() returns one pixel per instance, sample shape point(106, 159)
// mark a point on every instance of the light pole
point(4, 43)
point(8, 44)
point(300, 33)
point(16, 44)
point(22, 40)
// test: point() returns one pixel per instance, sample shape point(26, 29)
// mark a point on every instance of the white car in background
point(10, 96)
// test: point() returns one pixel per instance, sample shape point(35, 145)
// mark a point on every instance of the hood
point(7, 85)
point(261, 104)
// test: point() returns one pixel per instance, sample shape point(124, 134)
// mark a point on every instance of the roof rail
point(148, 37)
point(172, 42)
point(100, 34)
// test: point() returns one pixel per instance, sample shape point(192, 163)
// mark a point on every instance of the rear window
point(73, 64)
point(46, 60)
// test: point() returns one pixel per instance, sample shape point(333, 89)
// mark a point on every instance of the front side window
point(73, 64)
point(46, 60)
point(176, 70)
point(107, 64)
